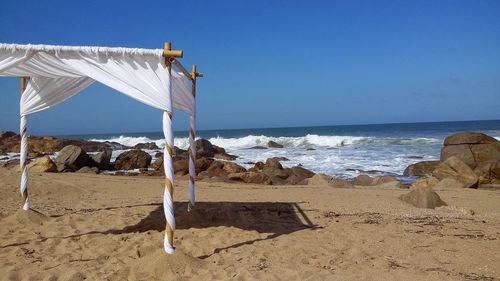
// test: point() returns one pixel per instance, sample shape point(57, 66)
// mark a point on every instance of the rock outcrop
point(42, 165)
point(420, 169)
point(273, 144)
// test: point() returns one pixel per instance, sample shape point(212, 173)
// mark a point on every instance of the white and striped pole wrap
point(168, 202)
point(192, 159)
point(23, 163)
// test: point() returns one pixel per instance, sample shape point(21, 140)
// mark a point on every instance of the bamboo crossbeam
point(169, 53)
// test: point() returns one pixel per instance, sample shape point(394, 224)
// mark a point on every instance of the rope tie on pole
point(23, 163)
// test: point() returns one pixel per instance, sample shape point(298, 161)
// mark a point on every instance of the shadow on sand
point(275, 218)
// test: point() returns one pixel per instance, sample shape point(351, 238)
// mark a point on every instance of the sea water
point(342, 151)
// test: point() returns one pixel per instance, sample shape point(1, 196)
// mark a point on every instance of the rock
point(43, 165)
point(326, 180)
point(272, 163)
point(13, 163)
point(89, 170)
point(132, 159)
point(217, 169)
point(257, 167)
point(101, 159)
point(448, 183)
point(471, 148)
point(258, 147)
point(488, 172)
point(468, 138)
point(227, 157)
point(202, 164)
point(429, 182)
point(181, 166)
point(383, 179)
point(251, 177)
point(71, 158)
point(363, 180)
point(423, 198)
point(158, 164)
point(147, 145)
point(274, 144)
point(456, 168)
point(279, 158)
point(231, 167)
point(278, 181)
point(178, 153)
point(204, 149)
point(302, 172)
point(420, 169)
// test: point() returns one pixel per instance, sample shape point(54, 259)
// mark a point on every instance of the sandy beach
point(103, 227)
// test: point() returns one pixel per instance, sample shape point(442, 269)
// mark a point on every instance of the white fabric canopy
point(57, 73)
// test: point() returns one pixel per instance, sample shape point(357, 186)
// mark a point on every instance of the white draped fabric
point(59, 72)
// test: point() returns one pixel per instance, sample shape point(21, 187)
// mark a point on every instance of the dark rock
point(423, 198)
point(89, 170)
point(181, 166)
point(132, 159)
point(257, 167)
point(147, 145)
point(202, 164)
point(420, 169)
point(101, 159)
point(6, 134)
point(71, 158)
point(456, 168)
point(258, 147)
point(13, 163)
point(274, 144)
point(204, 149)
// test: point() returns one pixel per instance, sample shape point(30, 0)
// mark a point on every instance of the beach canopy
point(57, 73)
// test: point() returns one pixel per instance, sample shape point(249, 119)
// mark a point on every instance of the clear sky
point(276, 63)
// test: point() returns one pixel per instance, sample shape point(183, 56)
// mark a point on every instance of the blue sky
point(276, 63)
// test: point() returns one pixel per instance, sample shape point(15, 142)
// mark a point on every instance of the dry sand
point(100, 227)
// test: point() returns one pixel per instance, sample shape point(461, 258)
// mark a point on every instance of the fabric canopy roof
point(60, 72)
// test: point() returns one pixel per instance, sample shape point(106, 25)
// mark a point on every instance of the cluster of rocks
point(467, 160)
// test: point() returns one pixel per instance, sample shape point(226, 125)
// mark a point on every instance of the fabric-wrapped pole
point(192, 159)
point(168, 202)
point(23, 163)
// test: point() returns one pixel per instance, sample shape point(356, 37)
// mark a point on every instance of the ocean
point(342, 151)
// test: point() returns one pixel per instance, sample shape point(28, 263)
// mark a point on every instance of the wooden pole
point(23, 153)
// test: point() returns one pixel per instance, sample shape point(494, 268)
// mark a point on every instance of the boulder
point(257, 167)
point(320, 179)
point(429, 182)
point(12, 163)
point(363, 180)
point(43, 165)
point(231, 167)
point(488, 172)
point(181, 166)
point(71, 158)
point(204, 149)
point(468, 138)
point(456, 168)
point(202, 164)
point(251, 177)
point(302, 172)
point(420, 169)
point(273, 144)
point(272, 163)
point(278, 181)
point(216, 169)
point(102, 159)
point(88, 170)
point(132, 159)
point(383, 179)
point(423, 198)
point(472, 148)
point(6, 134)
point(448, 183)
point(147, 145)
point(158, 163)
